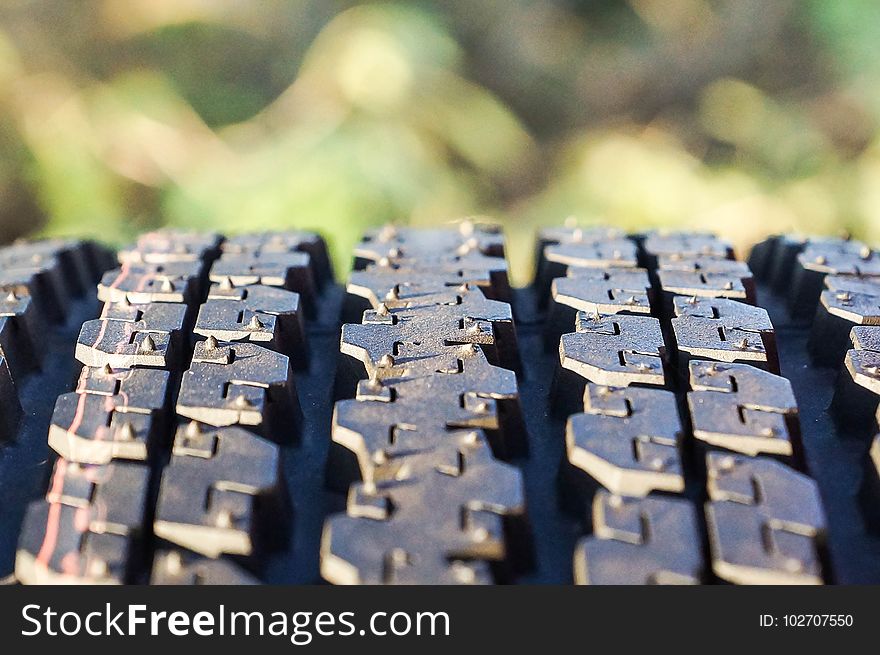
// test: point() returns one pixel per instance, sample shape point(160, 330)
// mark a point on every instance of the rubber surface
point(285, 546)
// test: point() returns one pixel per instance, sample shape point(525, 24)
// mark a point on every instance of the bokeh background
point(743, 116)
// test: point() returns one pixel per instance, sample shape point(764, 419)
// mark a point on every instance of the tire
point(624, 420)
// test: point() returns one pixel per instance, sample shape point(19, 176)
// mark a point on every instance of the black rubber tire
point(632, 425)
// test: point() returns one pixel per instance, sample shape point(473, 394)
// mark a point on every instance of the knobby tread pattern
point(43, 286)
point(168, 466)
point(632, 426)
point(835, 295)
point(419, 445)
point(715, 491)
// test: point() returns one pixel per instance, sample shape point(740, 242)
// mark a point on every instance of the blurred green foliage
point(744, 116)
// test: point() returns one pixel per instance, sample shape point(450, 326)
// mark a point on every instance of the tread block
point(130, 336)
point(702, 284)
point(573, 258)
point(596, 291)
point(412, 412)
point(686, 245)
point(44, 282)
point(228, 321)
point(142, 283)
point(610, 291)
point(844, 304)
point(77, 264)
point(415, 284)
point(704, 264)
point(139, 390)
point(22, 334)
point(706, 277)
point(117, 337)
point(285, 242)
point(615, 351)
point(611, 253)
point(88, 528)
point(723, 330)
point(401, 333)
point(777, 255)
point(743, 409)
point(866, 337)
point(765, 520)
point(175, 567)
point(579, 249)
point(257, 313)
point(286, 270)
point(167, 246)
point(112, 415)
point(856, 285)
point(627, 440)
point(396, 243)
point(158, 316)
point(571, 232)
point(222, 492)
point(821, 258)
point(640, 541)
point(857, 394)
point(240, 384)
point(440, 520)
